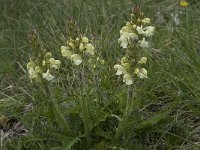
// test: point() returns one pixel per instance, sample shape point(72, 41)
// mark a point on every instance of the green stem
point(84, 107)
point(56, 112)
point(86, 120)
point(127, 113)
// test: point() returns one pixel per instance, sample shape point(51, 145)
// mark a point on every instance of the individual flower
point(81, 47)
point(71, 44)
point(48, 76)
point(127, 38)
point(123, 40)
point(85, 40)
point(140, 30)
point(137, 70)
point(89, 49)
point(143, 60)
point(142, 73)
point(126, 29)
point(76, 59)
point(38, 69)
point(128, 79)
point(120, 69)
point(54, 63)
point(146, 20)
point(33, 74)
point(144, 43)
point(31, 64)
point(184, 3)
point(65, 51)
point(48, 55)
point(148, 31)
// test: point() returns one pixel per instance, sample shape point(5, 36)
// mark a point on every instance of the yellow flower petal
point(137, 70)
point(128, 79)
point(184, 3)
point(120, 69)
point(65, 51)
point(142, 73)
point(76, 59)
point(143, 60)
point(38, 69)
point(85, 40)
point(144, 43)
point(81, 46)
point(54, 63)
point(48, 76)
point(89, 47)
point(31, 64)
point(146, 20)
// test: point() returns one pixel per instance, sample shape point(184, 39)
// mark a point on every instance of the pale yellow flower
point(71, 45)
point(123, 40)
point(184, 3)
point(126, 66)
point(76, 59)
point(144, 43)
point(85, 40)
point(137, 70)
point(146, 20)
point(89, 47)
point(54, 63)
point(127, 38)
point(33, 74)
point(128, 24)
point(124, 60)
point(38, 69)
point(48, 76)
point(48, 55)
point(126, 29)
point(120, 69)
point(81, 46)
point(149, 30)
point(65, 51)
point(31, 64)
point(140, 30)
point(43, 63)
point(142, 73)
point(134, 26)
point(128, 79)
point(143, 60)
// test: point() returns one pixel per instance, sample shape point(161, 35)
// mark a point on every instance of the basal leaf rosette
point(43, 68)
point(129, 71)
point(77, 50)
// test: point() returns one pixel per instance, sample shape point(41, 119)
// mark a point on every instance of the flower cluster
point(136, 32)
point(128, 71)
point(133, 37)
point(39, 69)
point(77, 49)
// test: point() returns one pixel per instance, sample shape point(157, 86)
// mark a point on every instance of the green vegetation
point(165, 112)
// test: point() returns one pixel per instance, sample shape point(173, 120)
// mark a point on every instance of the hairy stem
point(127, 113)
point(84, 106)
